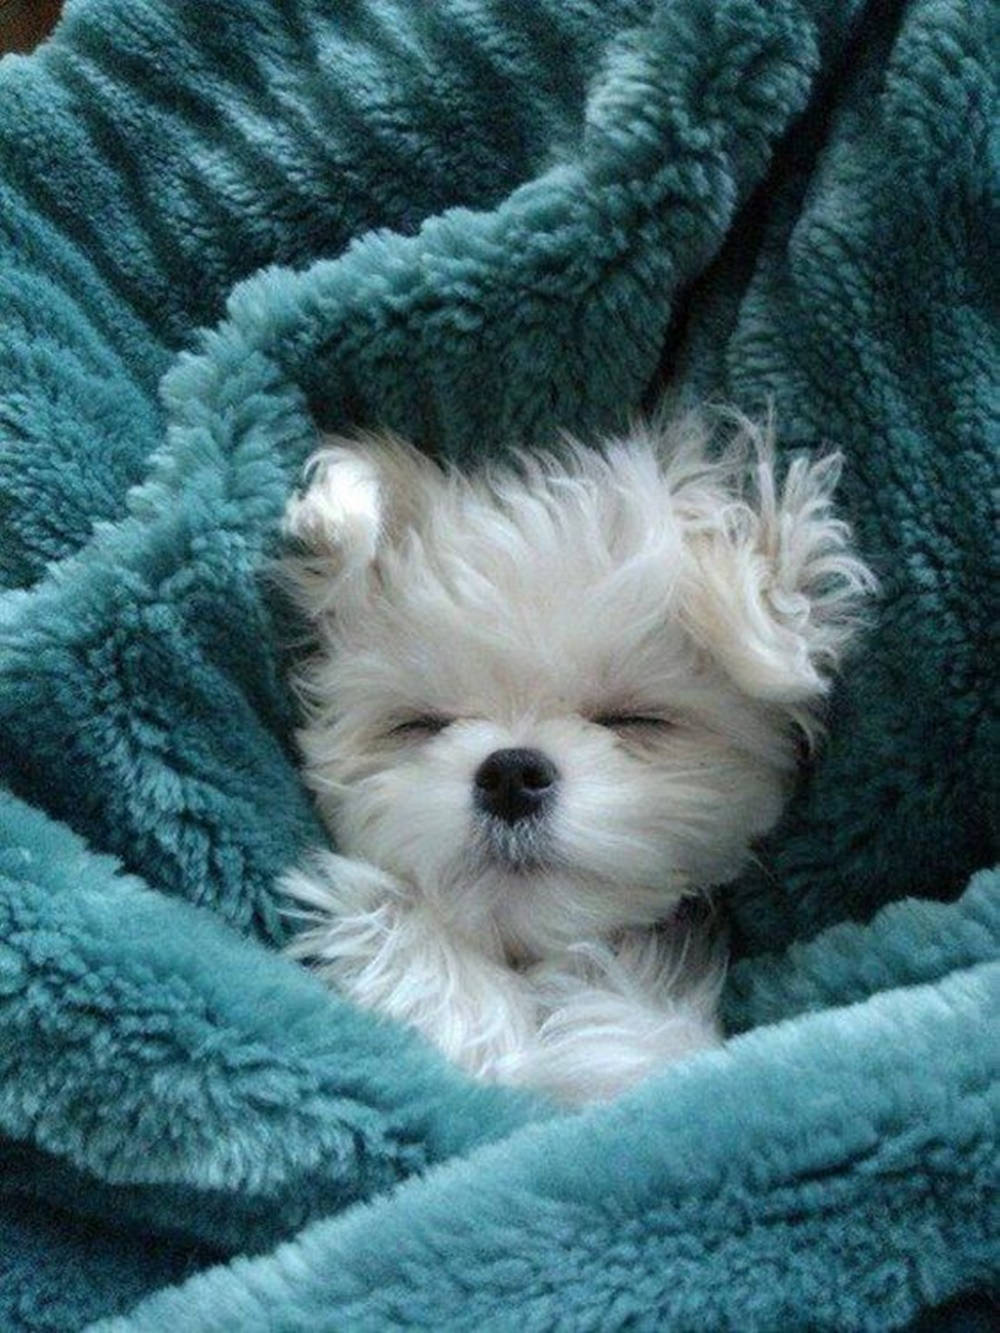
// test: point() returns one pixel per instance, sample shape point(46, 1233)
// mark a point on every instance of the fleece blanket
point(224, 227)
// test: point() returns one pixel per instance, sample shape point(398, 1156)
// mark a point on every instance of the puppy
point(551, 701)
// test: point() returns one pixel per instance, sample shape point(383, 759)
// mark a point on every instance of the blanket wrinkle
point(481, 222)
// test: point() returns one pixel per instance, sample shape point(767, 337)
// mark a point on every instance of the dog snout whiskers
point(521, 847)
point(513, 785)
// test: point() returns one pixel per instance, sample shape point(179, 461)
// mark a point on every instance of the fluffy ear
point(777, 592)
point(333, 527)
point(357, 495)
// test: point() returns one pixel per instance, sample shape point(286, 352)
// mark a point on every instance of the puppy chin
point(516, 889)
point(519, 850)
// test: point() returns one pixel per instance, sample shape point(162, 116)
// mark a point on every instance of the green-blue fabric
point(480, 222)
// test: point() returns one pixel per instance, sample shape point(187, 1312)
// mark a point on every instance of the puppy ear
point(777, 592)
point(333, 527)
point(359, 497)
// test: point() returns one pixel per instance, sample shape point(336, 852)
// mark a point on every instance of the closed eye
point(626, 721)
point(425, 724)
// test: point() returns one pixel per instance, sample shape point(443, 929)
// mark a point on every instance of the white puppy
point(550, 701)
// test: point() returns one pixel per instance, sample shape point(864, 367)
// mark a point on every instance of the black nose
point(513, 784)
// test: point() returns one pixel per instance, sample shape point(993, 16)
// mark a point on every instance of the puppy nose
point(513, 784)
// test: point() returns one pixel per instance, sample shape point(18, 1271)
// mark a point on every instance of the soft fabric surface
point(478, 222)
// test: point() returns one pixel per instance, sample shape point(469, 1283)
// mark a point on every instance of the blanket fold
point(655, 1231)
point(224, 228)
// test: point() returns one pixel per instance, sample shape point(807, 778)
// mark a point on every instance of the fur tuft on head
point(764, 579)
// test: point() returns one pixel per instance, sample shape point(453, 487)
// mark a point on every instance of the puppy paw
point(613, 1015)
point(372, 938)
point(347, 908)
point(601, 1044)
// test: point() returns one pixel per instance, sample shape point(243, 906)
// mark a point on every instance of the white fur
point(657, 576)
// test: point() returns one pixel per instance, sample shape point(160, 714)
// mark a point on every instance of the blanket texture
point(481, 221)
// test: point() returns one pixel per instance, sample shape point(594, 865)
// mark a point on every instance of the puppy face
point(555, 699)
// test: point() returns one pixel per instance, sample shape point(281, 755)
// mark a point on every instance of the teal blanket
point(481, 221)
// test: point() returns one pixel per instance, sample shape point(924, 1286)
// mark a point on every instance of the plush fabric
point(225, 226)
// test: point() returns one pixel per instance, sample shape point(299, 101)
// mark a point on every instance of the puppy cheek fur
point(680, 814)
point(414, 816)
